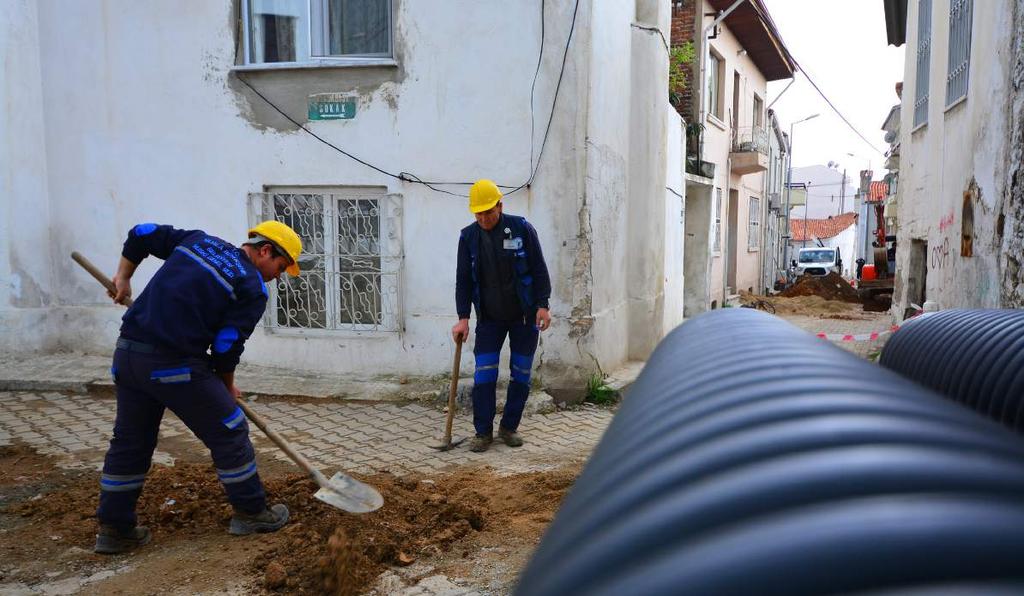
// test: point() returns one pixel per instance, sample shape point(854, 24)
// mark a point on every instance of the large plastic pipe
point(751, 457)
point(975, 357)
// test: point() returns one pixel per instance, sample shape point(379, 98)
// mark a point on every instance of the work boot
point(268, 520)
point(510, 437)
point(112, 540)
point(481, 443)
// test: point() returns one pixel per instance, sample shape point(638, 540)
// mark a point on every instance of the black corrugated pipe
point(975, 357)
point(753, 458)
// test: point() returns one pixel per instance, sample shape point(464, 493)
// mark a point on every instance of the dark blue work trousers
point(146, 384)
point(490, 336)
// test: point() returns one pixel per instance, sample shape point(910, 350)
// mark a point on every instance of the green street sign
point(331, 106)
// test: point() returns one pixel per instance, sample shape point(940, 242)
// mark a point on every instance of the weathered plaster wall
point(146, 122)
point(645, 208)
point(143, 119)
point(1010, 221)
point(961, 150)
point(26, 281)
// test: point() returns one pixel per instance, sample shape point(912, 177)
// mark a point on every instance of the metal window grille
point(351, 270)
point(754, 221)
point(960, 21)
point(718, 220)
point(924, 53)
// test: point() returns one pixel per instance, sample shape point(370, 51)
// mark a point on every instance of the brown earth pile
point(830, 287)
point(324, 550)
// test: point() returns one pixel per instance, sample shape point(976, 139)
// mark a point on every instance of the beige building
point(737, 53)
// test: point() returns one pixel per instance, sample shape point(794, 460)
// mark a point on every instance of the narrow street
point(52, 445)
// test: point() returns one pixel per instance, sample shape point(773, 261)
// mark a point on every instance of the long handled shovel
point(341, 490)
point(448, 443)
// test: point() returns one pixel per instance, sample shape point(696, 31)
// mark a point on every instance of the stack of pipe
point(752, 458)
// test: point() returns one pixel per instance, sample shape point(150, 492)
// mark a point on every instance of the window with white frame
point(758, 120)
point(959, 67)
point(714, 85)
point(924, 55)
point(754, 224)
point(717, 229)
point(309, 31)
point(352, 259)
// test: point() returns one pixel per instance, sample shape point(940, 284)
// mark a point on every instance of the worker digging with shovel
point(179, 345)
point(501, 272)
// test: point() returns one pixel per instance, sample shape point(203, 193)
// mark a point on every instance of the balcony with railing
point(749, 150)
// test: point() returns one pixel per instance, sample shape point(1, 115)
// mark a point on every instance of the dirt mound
point(830, 287)
point(814, 306)
point(323, 550)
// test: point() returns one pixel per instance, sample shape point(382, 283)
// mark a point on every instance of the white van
point(818, 261)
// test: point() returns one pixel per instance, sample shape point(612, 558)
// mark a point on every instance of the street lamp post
point(789, 187)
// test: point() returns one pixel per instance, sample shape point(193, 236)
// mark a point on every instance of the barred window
point(959, 67)
point(924, 54)
point(352, 260)
point(717, 229)
point(754, 224)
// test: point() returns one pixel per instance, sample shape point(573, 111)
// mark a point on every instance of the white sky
point(842, 45)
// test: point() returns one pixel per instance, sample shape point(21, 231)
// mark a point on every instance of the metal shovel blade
point(450, 444)
point(347, 493)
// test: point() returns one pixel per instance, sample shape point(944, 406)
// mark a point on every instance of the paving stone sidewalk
point(335, 435)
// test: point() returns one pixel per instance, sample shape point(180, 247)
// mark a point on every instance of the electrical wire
point(432, 185)
point(766, 21)
point(554, 100)
point(835, 109)
point(533, 86)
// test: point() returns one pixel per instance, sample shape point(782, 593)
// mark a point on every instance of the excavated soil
point(321, 551)
point(812, 306)
point(830, 287)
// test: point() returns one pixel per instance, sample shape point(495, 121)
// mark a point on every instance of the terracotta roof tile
point(821, 228)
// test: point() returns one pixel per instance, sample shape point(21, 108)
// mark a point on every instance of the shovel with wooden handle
point(448, 444)
point(341, 490)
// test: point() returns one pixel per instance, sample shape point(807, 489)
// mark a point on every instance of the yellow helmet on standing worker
point(284, 238)
point(483, 195)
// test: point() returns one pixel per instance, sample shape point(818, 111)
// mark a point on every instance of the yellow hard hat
point(285, 238)
point(483, 195)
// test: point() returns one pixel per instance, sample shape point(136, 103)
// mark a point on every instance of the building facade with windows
point(736, 57)
point(952, 142)
point(360, 123)
point(775, 228)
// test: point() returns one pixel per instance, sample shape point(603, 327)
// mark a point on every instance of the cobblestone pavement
point(871, 322)
point(335, 435)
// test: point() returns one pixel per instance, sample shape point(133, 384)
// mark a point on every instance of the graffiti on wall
point(946, 221)
point(940, 255)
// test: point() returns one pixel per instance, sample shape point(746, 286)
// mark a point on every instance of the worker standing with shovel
point(208, 296)
point(501, 272)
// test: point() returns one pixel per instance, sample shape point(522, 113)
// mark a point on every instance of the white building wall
point(26, 243)
point(144, 120)
point(939, 161)
point(675, 222)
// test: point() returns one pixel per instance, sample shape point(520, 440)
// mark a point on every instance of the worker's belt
point(129, 345)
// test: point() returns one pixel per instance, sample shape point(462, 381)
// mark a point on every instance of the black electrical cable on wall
point(432, 185)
